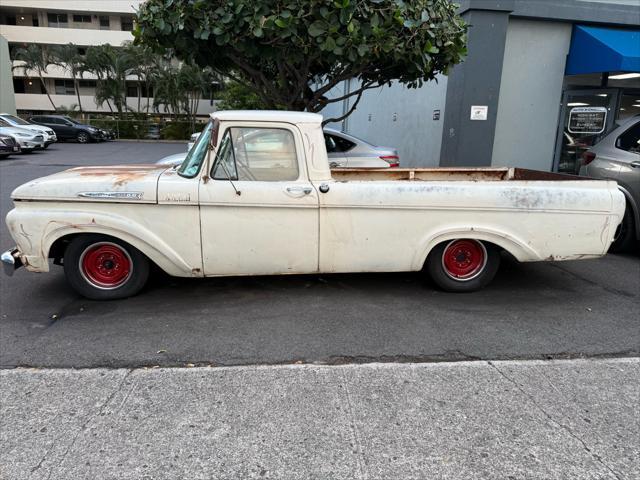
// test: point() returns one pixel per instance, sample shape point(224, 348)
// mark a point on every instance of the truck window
point(257, 154)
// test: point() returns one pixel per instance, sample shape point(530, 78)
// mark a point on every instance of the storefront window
point(629, 105)
point(587, 118)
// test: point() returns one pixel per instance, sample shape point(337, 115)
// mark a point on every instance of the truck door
point(259, 212)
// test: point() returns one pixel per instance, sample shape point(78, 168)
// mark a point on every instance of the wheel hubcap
point(105, 265)
point(464, 259)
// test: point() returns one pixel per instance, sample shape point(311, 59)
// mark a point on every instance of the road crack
point(564, 427)
point(85, 425)
point(360, 460)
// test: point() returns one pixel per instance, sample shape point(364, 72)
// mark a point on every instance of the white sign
point(479, 112)
point(587, 120)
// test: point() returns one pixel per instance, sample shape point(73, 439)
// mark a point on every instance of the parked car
point(27, 139)
point(343, 150)
point(106, 134)
point(13, 121)
point(617, 157)
point(8, 146)
point(264, 202)
point(67, 128)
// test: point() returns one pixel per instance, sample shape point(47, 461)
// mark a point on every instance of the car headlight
point(50, 132)
point(92, 129)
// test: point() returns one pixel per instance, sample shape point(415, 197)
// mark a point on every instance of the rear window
point(630, 140)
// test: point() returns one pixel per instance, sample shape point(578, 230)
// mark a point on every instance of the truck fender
point(515, 246)
point(635, 210)
point(157, 250)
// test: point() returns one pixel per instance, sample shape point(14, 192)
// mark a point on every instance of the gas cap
point(324, 188)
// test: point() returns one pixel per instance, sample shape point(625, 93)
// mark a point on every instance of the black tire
point(91, 257)
point(484, 267)
point(83, 137)
point(625, 238)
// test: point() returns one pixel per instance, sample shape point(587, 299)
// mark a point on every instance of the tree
point(67, 57)
point(236, 96)
point(293, 53)
point(36, 59)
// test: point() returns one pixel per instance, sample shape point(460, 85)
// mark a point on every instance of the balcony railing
point(61, 36)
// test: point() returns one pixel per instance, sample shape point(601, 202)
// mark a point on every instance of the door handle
point(635, 164)
point(299, 190)
point(334, 165)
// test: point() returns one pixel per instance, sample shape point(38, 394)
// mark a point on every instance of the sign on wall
point(587, 120)
point(479, 112)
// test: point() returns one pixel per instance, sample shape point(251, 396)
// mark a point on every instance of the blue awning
point(597, 50)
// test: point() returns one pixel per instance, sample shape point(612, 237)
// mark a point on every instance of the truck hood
point(118, 183)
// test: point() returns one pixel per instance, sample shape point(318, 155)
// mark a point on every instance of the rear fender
point(515, 246)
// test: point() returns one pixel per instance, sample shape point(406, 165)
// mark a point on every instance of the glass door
point(586, 117)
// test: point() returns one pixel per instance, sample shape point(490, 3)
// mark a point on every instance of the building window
point(82, 18)
point(64, 87)
point(9, 20)
point(57, 20)
point(18, 85)
point(88, 83)
point(126, 24)
point(104, 22)
point(34, 21)
point(132, 90)
point(82, 51)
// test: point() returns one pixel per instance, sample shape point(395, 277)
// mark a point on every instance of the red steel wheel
point(464, 259)
point(105, 265)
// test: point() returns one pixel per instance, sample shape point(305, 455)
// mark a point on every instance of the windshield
point(194, 159)
point(17, 120)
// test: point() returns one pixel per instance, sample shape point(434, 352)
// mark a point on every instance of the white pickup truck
point(256, 196)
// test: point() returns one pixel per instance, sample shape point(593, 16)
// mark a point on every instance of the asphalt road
point(572, 309)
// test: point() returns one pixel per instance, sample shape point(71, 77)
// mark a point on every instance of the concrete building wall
point(7, 98)
point(530, 93)
point(397, 117)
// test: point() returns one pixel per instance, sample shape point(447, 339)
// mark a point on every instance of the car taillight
point(588, 157)
point(392, 160)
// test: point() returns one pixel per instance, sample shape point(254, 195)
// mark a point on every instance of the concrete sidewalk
point(508, 420)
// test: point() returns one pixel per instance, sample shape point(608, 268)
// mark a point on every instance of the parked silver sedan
point(27, 139)
point(343, 150)
point(617, 157)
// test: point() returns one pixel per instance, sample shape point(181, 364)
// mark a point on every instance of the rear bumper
point(10, 261)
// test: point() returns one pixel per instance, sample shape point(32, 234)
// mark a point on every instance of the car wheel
point(625, 236)
point(3, 156)
point(100, 267)
point(82, 137)
point(463, 265)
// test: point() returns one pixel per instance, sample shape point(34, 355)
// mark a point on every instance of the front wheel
point(463, 265)
point(104, 268)
point(83, 137)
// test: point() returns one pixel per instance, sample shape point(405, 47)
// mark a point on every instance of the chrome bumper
point(10, 261)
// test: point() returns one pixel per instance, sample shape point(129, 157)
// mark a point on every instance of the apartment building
point(59, 22)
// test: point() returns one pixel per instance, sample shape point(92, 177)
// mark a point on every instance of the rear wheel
point(625, 234)
point(463, 265)
point(82, 137)
point(104, 268)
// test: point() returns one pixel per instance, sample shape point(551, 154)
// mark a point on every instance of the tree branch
point(351, 110)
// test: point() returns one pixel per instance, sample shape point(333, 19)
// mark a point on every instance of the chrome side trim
point(113, 195)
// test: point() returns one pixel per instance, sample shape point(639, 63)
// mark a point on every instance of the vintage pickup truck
point(256, 196)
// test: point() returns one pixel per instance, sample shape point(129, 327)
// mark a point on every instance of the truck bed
point(447, 174)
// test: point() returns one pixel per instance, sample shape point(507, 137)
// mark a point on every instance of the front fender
point(36, 230)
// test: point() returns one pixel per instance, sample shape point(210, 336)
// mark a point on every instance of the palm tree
point(97, 61)
point(36, 59)
point(67, 57)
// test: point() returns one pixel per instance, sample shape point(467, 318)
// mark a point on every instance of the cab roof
point(267, 116)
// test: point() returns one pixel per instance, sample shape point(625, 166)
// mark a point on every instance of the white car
point(343, 151)
point(13, 121)
point(27, 139)
point(256, 196)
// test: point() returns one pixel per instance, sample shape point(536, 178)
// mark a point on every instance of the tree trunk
point(46, 90)
point(76, 85)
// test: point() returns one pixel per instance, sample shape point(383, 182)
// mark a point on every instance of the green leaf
point(258, 32)
point(317, 28)
point(281, 23)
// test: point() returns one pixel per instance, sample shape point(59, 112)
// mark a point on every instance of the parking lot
point(572, 309)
